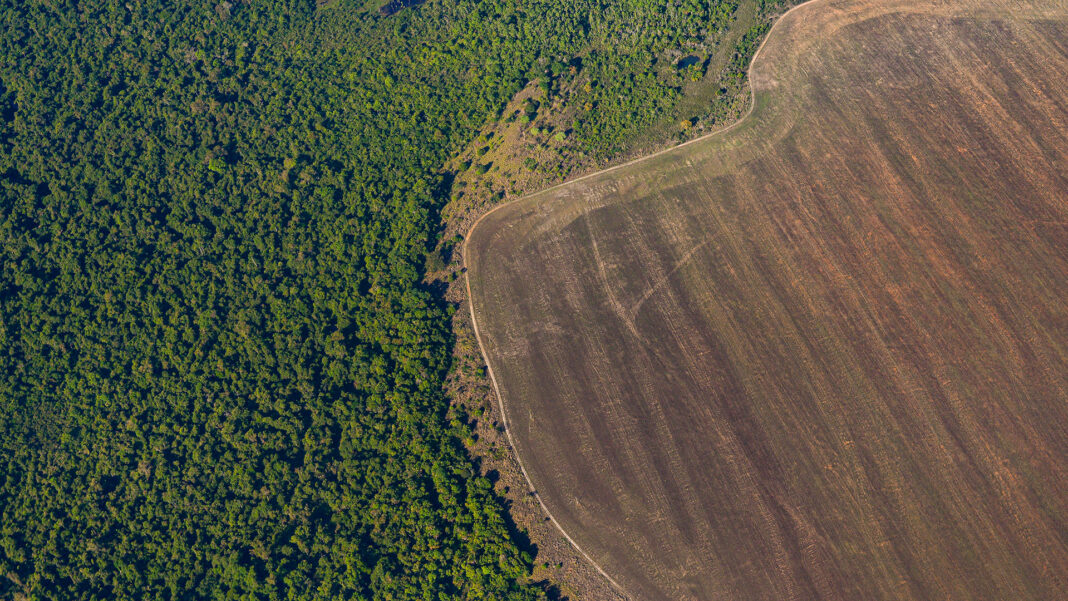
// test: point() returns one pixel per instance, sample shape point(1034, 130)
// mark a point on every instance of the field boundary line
point(471, 304)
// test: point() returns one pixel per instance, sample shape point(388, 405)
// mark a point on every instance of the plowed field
point(822, 355)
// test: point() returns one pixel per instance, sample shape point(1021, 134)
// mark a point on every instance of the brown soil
point(823, 355)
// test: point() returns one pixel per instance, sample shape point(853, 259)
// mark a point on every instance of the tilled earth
point(822, 355)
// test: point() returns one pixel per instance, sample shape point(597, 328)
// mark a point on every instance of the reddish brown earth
point(823, 355)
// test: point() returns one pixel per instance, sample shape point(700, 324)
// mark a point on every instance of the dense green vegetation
point(624, 93)
point(220, 375)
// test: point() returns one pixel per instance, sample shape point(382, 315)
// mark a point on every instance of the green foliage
point(744, 50)
point(220, 377)
point(624, 94)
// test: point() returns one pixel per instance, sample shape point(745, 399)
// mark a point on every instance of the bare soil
point(823, 355)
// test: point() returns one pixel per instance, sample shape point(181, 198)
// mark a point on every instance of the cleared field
point(824, 354)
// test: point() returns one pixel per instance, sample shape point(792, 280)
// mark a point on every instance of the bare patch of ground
point(822, 355)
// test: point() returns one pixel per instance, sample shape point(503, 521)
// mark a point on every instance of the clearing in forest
point(822, 354)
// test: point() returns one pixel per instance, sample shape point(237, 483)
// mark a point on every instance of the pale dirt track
point(692, 292)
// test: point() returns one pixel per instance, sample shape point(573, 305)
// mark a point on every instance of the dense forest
point(220, 371)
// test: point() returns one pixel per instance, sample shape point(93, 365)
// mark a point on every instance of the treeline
point(220, 375)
